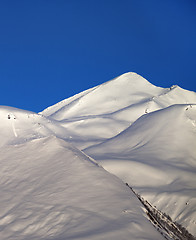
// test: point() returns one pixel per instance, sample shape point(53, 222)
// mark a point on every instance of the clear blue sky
point(53, 49)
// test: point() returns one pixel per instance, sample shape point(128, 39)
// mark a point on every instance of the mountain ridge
point(141, 134)
point(100, 129)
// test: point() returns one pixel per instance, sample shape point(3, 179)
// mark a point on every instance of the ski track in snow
point(14, 129)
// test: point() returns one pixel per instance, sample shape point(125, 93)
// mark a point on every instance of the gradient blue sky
point(51, 50)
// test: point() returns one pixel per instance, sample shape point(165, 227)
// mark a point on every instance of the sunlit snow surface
point(50, 190)
point(143, 134)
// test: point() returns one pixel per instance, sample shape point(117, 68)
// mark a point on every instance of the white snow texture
point(63, 171)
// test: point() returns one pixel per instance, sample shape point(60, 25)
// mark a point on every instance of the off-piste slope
point(51, 190)
point(18, 126)
point(120, 93)
point(142, 133)
point(133, 129)
point(107, 98)
point(157, 156)
point(106, 110)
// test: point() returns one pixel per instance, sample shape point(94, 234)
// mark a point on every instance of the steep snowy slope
point(51, 190)
point(118, 94)
point(157, 156)
point(105, 98)
point(104, 111)
point(118, 123)
point(142, 133)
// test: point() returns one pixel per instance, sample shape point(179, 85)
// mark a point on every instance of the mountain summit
point(123, 92)
point(63, 171)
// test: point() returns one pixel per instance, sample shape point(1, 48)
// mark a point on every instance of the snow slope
point(51, 190)
point(119, 94)
point(106, 110)
point(142, 133)
point(157, 156)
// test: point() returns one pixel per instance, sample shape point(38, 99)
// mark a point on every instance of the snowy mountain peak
point(132, 128)
point(130, 78)
point(125, 91)
point(52, 185)
point(105, 98)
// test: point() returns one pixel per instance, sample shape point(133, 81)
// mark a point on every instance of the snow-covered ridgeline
point(142, 133)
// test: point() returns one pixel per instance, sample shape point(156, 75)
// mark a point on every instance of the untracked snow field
point(63, 171)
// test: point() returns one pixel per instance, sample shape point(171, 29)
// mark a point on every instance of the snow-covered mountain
point(51, 190)
point(156, 155)
point(108, 109)
point(52, 187)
